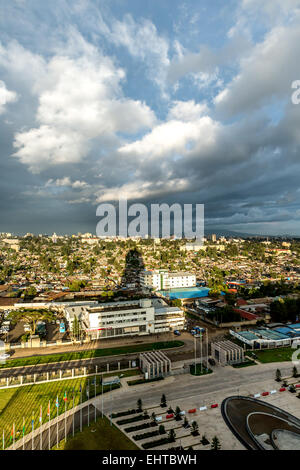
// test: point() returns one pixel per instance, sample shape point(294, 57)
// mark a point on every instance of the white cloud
point(80, 99)
point(6, 96)
point(173, 137)
point(66, 181)
point(187, 110)
point(144, 42)
point(274, 9)
point(143, 189)
point(266, 73)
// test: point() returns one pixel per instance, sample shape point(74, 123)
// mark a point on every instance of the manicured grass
point(46, 359)
point(25, 402)
point(99, 436)
point(273, 355)
point(198, 370)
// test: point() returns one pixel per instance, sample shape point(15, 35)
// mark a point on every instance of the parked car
point(177, 332)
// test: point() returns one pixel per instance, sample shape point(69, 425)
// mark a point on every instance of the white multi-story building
point(137, 317)
point(165, 280)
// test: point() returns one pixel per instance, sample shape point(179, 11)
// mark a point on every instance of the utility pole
point(201, 352)
point(195, 352)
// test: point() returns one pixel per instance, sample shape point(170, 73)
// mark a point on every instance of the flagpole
point(207, 346)
point(102, 393)
point(73, 410)
point(41, 421)
point(32, 431)
point(110, 406)
point(95, 399)
point(65, 420)
point(201, 352)
point(80, 408)
point(49, 414)
point(88, 402)
point(57, 405)
point(23, 432)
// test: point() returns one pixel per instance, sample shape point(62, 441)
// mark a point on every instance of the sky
point(156, 102)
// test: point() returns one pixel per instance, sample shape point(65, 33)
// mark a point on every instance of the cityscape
point(149, 234)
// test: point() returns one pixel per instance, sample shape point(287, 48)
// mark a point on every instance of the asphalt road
point(187, 386)
point(182, 353)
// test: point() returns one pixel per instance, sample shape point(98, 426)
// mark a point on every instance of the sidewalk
point(97, 344)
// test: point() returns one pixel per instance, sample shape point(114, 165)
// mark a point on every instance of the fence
point(10, 381)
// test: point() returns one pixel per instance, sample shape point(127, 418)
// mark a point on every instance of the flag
point(41, 415)
point(32, 422)
point(48, 410)
point(23, 431)
point(80, 389)
point(65, 397)
point(12, 434)
point(57, 402)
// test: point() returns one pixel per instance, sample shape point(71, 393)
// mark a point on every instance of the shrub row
point(138, 437)
point(133, 420)
point(141, 426)
point(160, 442)
point(143, 381)
point(123, 413)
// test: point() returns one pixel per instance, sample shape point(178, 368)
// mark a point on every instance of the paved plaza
point(189, 392)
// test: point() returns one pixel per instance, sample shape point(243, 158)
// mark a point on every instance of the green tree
point(177, 413)
point(185, 422)
point(163, 401)
point(295, 371)
point(278, 375)
point(161, 429)
point(139, 405)
point(195, 428)
point(215, 445)
point(31, 317)
point(172, 435)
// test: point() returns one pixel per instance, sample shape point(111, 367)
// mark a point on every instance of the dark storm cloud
point(234, 148)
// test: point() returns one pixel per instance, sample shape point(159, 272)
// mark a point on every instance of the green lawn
point(46, 359)
point(25, 402)
point(99, 436)
point(273, 355)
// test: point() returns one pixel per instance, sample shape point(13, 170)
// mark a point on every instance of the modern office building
point(136, 317)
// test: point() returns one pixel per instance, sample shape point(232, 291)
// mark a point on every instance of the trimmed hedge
point(143, 381)
point(123, 413)
point(141, 427)
point(160, 442)
point(138, 437)
point(133, 420)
